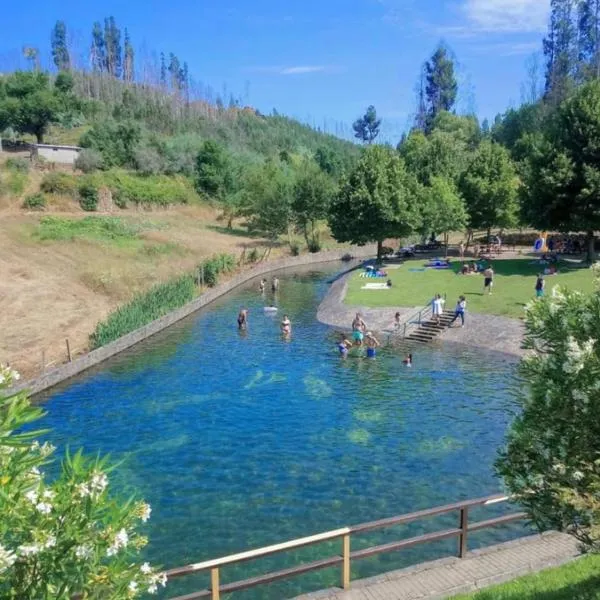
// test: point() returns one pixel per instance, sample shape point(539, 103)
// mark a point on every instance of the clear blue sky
point(313, 59)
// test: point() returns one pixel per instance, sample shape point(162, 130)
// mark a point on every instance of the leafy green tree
point(63, 536)
point(213, 170)
point(267, 197)
point(312, 195)
point(588, 39)
point(562, 171)
point(328, 160)
point(441, 87)
point(366, 128)
point(30, 103)
point(443, 210)
point(490, 187)
point(551, 461)
point(60, 51)
point(378, 200)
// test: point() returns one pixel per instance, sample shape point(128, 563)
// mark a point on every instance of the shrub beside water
point(35, 201)
point(210, 269)
point(143, 309)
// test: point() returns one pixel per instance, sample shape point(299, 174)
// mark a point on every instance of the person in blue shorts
point(343, 346)
point(372, 343)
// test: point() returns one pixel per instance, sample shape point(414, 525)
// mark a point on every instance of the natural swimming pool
point(243, 440)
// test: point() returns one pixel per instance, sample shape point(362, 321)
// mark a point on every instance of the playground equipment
point(540, 243)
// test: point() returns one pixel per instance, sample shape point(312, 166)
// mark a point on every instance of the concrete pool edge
point(499, 334)
point(66, 371)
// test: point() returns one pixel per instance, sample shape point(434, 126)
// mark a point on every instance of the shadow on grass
point(235, 231)
point(588, 589)
point(526, 267)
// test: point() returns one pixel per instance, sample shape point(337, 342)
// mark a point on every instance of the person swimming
point(372, 343)
point(286, 326)
point(408, 360)
point(343, 346)
point(243, 318)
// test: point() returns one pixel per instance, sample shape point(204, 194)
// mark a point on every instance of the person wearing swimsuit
point(286, 326)
point(343, 346)
point(372, 343)
point(243, 318)
point(358, 329)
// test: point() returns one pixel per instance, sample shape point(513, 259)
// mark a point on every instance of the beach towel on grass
point(375, 286)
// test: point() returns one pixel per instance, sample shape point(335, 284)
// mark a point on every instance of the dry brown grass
point(53, 290)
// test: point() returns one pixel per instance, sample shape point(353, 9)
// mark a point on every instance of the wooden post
point(68, 350)
point(214, 584)
point(464, 526)
point(346, 563)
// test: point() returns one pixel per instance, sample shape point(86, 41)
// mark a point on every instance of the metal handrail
point(344, 558)
point(417, 318)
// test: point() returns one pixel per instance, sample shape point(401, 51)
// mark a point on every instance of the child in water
point(286, 326)
point(344, 345)
point(371, 343)
point(408, 360)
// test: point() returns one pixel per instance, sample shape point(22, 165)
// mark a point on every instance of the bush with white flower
point(65, 537)
point(551, 462)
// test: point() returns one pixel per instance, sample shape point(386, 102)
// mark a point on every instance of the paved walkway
point(449, 576)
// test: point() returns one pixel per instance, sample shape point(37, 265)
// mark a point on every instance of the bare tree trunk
point(379, 250)
point(591, 252)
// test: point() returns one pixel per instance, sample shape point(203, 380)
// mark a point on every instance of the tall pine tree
point(112, 41)
point(163, 70)
point(98, 49)
point(128, 59)
point(441, 87)
point(174, 72)
point(560, 50)
point(60, 52)
point(588, 46)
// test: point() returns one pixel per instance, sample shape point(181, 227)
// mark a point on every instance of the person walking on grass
point(459, 311)
point(488, 282)
point(540, 285)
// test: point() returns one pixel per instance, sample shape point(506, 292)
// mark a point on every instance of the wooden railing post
point(464, 527)
point(214, 584)
point(68, 350)
point(346, 563)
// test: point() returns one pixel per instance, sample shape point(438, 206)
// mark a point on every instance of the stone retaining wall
point(80, 364)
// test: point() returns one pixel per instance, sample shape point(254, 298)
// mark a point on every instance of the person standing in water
point(343, 346)
point(408, 361)
point(358, 329)
point(261, 286)
point(372, 343)
point(286, 326)
point(275, 284)
point(243, 318)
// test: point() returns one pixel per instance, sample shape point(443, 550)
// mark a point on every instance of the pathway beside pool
point(449, 576)
point(500, 334)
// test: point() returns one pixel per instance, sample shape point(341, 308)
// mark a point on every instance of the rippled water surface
point(240, 441)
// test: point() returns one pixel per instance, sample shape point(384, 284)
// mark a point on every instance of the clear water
point(243, 440)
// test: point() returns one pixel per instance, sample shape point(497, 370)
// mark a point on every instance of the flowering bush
point(65, 538)
point(552, 459)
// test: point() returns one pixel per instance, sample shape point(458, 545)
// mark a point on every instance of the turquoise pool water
point(243, 440)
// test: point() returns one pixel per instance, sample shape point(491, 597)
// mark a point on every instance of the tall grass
point(159, 300)
point(143, 309)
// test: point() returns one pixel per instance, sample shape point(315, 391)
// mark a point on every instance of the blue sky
point(315, 59)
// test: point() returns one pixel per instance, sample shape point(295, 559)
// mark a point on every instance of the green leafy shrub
point(58, 183)
point(35, 201)
point(22, 165)
point(116, 142)
point(314, 246)
point(210, 269)
point(88, 196)
point(158, 190)
point(294, 248)
point(89, 160)
point(63, 536)
point(143, 309)
point(253, 255)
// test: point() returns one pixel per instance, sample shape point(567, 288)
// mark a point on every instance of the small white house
point(65, 155)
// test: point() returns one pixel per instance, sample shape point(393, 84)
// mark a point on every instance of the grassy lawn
point(579, 580)
point(513, 286)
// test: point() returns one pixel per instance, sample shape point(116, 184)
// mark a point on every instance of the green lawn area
point(578, 580)
point(513, 286)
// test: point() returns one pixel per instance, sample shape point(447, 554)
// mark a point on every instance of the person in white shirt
point(437, 307)
point(461, 307)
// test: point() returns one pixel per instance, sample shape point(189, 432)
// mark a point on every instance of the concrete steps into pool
point(429, 330)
